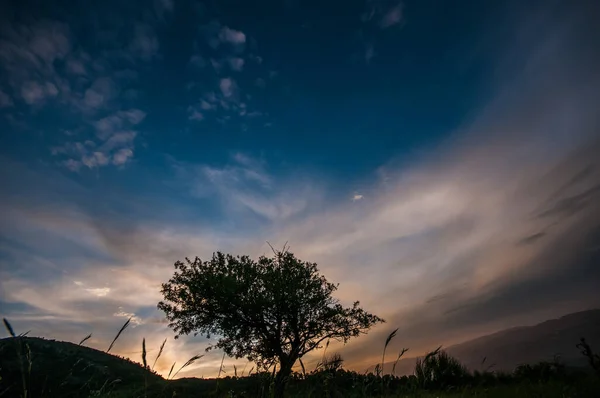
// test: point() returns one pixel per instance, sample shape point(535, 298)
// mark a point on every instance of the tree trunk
point(281, 378)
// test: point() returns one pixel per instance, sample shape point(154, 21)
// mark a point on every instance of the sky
point(437, 159)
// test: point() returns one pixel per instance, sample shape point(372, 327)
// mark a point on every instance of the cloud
point(122, 156)
point(144, 43)
point(391, 17)
point(384, 13)
point(27, 56)
point(228, 87)
point(494, 229)
point(217, 35)
point(107, 125)
point(45, 63)
point(194, 114)
point(379, 15)
point(207, 106)
point(34, 93)
point(76, 67)
point(245, 187)
point(113, 142)
point(236, 63)
point(229, 104)
point(99, 94)
point(5, 100)
point(232, 36)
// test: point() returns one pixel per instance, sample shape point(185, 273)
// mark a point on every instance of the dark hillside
point(65, 369)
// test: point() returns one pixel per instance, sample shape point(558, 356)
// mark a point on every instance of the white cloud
point(227, 86)
point(115, 147)
point(99, 291)
point(110, 124)
point(134, 116)
point(232, 36)
point(357, 197)
point(448, 222)
point(95, 159)
point(135, 320)
point(122, 156)
point(119, 139)
point(245, 186)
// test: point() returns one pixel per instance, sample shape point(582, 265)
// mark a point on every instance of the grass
point(35, 367)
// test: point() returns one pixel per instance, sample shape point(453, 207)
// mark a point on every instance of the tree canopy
point(270, 311)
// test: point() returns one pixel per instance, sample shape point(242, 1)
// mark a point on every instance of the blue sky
point(436, 159)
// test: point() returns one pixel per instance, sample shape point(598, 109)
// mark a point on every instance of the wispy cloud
point(379, 15)
point(112, 143)
point(229, 101)
point(391, 17)
point(145, 43)
point(228, 87)
point(236, 63)
point(27, 55)
point(232, 36)
point(496, 222)
point(5, 100)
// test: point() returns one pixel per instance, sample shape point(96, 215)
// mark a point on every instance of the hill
point(72, 369)
point(56, 368)
point(506, 349)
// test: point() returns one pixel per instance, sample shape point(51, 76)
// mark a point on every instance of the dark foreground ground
point(47, 368)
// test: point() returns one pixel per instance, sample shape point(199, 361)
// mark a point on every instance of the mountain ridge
point(505, 349)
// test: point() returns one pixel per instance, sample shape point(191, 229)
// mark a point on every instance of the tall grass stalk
point(322, 362)
point(160, 351)
point(400, 355)
point(118, 334)
point(387, 342)
point(171, 371)
point(221, 367)
point(19, 345)
point(188, 363)
point(9, 327)
point(303, 368)
point(144, 353)
point(86, 338)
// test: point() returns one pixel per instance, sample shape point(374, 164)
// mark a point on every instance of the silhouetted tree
point(271, 311)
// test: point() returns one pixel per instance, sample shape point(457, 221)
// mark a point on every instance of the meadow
point(36, 367)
